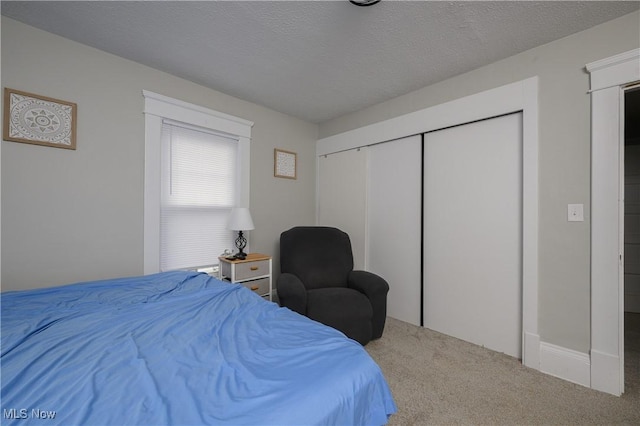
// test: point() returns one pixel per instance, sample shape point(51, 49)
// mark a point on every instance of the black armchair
point(317, 280)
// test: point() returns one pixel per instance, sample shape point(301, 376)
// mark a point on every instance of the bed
point(178, 348)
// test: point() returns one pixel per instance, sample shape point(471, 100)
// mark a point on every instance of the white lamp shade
point(240, 219)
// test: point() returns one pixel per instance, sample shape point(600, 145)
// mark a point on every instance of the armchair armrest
point(368, 283)
point(292, 293)
point(375, 288)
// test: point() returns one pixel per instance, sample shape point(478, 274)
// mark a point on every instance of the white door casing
point(608, 77)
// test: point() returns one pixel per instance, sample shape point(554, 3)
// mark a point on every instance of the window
point(196, 170)
point(198, 191)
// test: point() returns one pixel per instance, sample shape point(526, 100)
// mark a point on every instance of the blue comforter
point(178, 348)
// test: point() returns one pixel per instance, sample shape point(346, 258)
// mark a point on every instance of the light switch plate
point(575, 212)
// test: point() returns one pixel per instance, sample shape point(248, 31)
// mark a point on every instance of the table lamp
point(240, 220)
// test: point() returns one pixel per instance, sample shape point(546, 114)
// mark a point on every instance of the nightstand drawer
point(260, 287)
point(248, 270)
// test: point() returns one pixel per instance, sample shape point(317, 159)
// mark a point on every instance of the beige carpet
point(440, 380)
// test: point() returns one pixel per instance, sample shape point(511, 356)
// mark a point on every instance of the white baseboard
point(565, 364)
point(606, 375)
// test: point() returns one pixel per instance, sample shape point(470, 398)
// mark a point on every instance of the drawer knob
point(254, 268)
point(254, 287)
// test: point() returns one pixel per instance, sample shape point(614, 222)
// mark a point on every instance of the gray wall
point(564, 174)
point(71, 216)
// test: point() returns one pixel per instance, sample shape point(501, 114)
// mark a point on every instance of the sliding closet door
point(393, 223)
point(473, 233)
point(342, 197)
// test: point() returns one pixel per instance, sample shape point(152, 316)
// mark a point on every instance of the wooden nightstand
point(254, 272)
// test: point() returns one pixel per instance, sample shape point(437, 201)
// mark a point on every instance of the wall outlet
point(575, 212)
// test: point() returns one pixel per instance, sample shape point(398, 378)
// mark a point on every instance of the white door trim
point(518, 96)
point(607, 274)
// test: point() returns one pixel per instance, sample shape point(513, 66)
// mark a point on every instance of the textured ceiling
point(316, 60)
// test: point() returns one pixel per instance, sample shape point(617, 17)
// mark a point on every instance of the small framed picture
point(39, 120)
point(284, 164)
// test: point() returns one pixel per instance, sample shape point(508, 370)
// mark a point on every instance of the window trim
point(156, 108)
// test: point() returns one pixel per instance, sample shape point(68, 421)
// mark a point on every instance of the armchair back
point(320, 256)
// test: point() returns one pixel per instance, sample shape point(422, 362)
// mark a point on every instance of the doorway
point(632, 240)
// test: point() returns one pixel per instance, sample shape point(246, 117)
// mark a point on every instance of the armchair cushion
point(342, 308)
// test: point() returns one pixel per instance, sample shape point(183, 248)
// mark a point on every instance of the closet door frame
point(519, 96)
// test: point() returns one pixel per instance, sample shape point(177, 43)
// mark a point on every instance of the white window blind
point(198, 189)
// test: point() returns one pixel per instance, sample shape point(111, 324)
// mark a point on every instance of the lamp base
point(241, 243)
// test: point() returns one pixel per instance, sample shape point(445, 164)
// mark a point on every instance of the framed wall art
point(284, 164)
point(39, 120)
